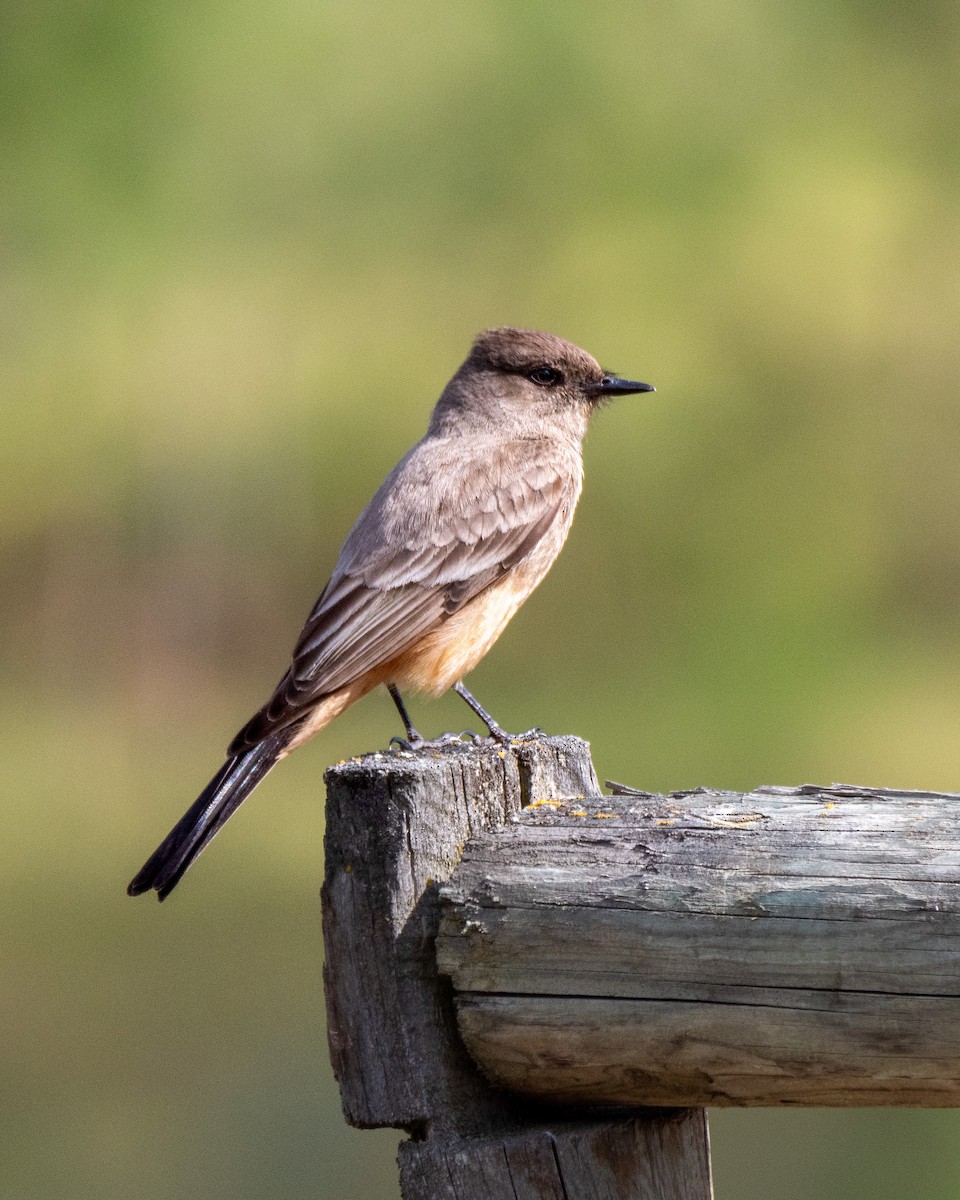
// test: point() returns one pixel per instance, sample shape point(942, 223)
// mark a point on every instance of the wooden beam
point(396, 825)
point(786, 946)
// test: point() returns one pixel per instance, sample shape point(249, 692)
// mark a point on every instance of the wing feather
point(436, 535)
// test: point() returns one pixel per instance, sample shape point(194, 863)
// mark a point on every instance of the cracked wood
point(396, 825)
point(785, 946)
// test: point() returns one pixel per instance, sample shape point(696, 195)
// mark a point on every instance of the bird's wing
point(436, 535)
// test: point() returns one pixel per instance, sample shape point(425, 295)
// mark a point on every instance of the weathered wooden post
point(396, 827)
point(787, 946)
point(784, 946)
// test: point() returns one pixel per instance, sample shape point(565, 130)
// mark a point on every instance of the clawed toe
point(496, 734)
point(413, 744)
point(408, 744)
point(505, 739)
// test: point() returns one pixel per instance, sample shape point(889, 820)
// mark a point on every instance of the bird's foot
point(495, 735)
point(505, 739)
point(417, 742)
point(496, 732)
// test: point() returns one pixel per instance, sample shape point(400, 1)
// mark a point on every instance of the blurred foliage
point(244, 247)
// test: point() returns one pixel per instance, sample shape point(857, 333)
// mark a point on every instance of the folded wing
point(434, 537)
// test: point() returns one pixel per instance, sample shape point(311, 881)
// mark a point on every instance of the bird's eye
point(545, 376)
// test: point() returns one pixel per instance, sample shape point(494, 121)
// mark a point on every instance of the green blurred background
point(244, 246)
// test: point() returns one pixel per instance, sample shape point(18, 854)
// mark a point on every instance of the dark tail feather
point(218, 801)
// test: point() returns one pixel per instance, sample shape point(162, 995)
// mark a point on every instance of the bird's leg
point(413, 740)
point(499, 734)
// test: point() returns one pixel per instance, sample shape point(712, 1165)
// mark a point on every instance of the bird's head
point(529, 382)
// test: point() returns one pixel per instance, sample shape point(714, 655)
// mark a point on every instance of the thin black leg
point(496, 731)
point(413, 738)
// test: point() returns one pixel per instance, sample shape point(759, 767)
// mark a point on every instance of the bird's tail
point(218, 801)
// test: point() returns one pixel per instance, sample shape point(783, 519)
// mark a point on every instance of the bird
point(459, 534)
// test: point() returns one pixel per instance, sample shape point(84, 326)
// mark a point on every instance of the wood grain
point(779, 947)
point(396, 826)
point(657, 1156)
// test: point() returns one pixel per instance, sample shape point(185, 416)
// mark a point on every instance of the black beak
point(613, 385)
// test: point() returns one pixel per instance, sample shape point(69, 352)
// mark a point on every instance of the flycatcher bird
point(458, 536)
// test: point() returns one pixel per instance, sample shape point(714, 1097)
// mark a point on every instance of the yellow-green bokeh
point(244, 246)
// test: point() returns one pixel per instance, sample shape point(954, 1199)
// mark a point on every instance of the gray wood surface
point(786, 946)
point(660, 1156)
point(396, 826)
